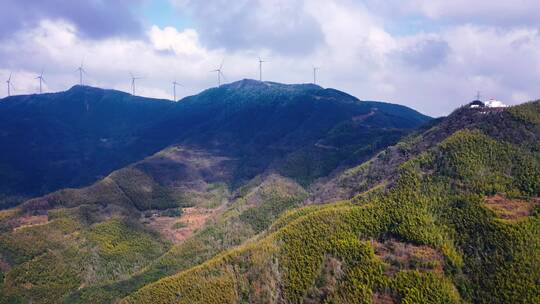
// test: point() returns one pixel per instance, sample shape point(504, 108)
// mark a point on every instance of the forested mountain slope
point(460, 221)
point(77, 137)
point(230, 161)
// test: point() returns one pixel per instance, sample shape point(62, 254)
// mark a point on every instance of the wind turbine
point(260, 68)
point(219, 73)
point(174, 89)
point(315, 69)
point(81, 71)
point(478, 96)
point(9, 86)
point(41, 80)
point(133, 78)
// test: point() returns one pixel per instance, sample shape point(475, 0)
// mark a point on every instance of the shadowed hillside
point(73, 138)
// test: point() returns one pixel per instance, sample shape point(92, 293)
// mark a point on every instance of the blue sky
point(432, 55)
point(163, 13)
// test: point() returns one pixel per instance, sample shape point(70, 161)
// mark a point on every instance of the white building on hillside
point(493, 103)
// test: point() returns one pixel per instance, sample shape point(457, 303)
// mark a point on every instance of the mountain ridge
point(95, 131)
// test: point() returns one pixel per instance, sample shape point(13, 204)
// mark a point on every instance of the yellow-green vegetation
point(122, 248)
point(214, 196)
point(319, 254)
point(274, 193)
point(272, 198)
point(527, 112)
point(4, 214)
point(51, 260)
point(128, 187)
point(24, 244)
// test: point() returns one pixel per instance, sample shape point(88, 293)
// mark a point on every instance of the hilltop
point(71, 138)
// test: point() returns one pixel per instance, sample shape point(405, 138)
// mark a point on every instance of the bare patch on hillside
point(30, 220)
point(510, 209)
point(6, 214)
point(360, 118)
point(327, 282)
point(178, 229)
point(4, 266)
point(383, 298)
point(398, 255)
point(325, 147)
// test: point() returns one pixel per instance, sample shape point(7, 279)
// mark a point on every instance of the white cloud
point(56, 47)
point(281, 25)
point(185, 43)
point(492, 11)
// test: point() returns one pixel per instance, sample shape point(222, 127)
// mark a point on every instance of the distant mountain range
point(74, 138)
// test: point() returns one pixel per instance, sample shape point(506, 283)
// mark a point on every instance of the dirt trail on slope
point(30, 220)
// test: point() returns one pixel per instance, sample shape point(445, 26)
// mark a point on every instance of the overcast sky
point(432, 55)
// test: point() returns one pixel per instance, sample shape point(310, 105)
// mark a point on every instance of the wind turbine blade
point(222, 62)
point(9, 79)
point(223, 75)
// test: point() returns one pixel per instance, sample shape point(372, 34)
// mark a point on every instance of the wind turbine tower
point(219, 73)
point(133, 78)
point(174, 89)
point(315, 70)
point(478, 96)
point(9, 85)
point(260, 68)
point(81, 70)
point(41, 80)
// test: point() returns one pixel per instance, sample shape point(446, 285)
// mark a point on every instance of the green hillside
point(253, 207)
point(459, 223)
